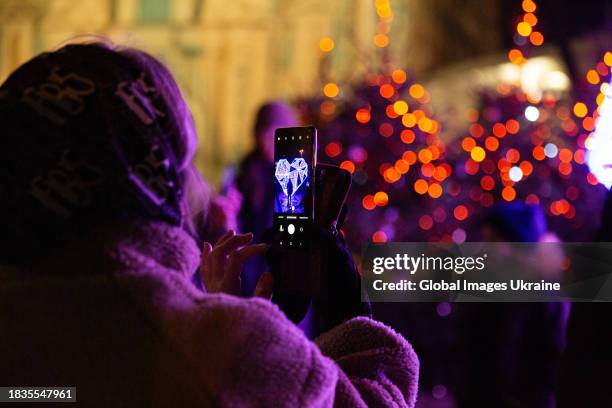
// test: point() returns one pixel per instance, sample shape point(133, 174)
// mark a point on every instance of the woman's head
point(90, 133)
point(270, 116)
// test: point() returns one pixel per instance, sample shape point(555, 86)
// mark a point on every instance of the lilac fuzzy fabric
point(116, 316)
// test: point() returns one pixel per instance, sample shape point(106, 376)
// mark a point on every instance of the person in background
point(587, 363)
point(99, 194)
point(256, 184)
point(515, 348)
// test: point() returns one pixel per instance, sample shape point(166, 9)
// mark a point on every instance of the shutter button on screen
point(291, 229)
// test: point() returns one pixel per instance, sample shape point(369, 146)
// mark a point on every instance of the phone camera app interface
point(293, 184)
point(293, 174)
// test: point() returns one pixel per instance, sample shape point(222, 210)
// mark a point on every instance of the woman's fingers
point(204, 269)
point(238, 257)
point(225, 237)
point(230, 244)
point(264, 286)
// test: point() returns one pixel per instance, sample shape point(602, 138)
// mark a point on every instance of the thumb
point(264, 286)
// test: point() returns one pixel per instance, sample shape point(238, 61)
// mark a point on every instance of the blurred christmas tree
point(409, 186)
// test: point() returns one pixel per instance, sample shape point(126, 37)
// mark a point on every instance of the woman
point(97, 256)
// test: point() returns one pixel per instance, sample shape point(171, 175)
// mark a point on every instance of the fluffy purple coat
point(116, 316)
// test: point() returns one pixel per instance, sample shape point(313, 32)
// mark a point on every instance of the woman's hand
point(221, 265)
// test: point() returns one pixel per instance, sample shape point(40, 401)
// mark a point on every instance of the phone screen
point(294, 182)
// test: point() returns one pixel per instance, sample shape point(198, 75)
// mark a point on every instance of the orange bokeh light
point(416, 91)
point(326, 44)
point(402, 166)
point(565, 155)
point(461, 212)
point(491, 143)
point(536, 38)
point(526, 167)
point(513, 155)
point(391, 175)
point(528, 6)
point(499, 130)
point(381, 199)
point(592, 77)
point(580, 109)
point(468, 143)
point(425, 156)
point(435, 190)
point(387, 91)
point(381, 40)
point(538, 153)
point(379, 237)
point(421, 186)
point(512, 126)
point(398, 76)
point(348, 166)
point(410, 157)
point(363, 116)
point(368, 202)
point(508, 193)
point(407, 136)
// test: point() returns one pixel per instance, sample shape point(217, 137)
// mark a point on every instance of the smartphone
point(295, 159)
point(332, 187)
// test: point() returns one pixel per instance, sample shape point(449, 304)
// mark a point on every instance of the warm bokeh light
point(468, 143)
point(530, 19)
point(379, 237)
point(523, 28)
point(416, 91)
point(387, 91)
point(402, 166)
point(608, 58)
point(331, 90)
point(326, 44)
point(410, 157)
point(381, 199)
point(461, 212)
point(435, 190)
point(381, 40)
point(592, 77)
point(487, 183)
point(407, 136)
point(368, 202)
point(526, 168)
point(512, 126)
point(348, 166)
point(409, 120)
point(333, 149)
point(536, 38)
point(425, 155)
point(529, 6)
point(400, 107)
point(499, 130)
point(391, 175)
point(478, 154)
point(421, 186)
point(398, 76)
point(539, 153)
point(362, 115)
point(491, 143)
point(508, 193)
point(516, 57)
